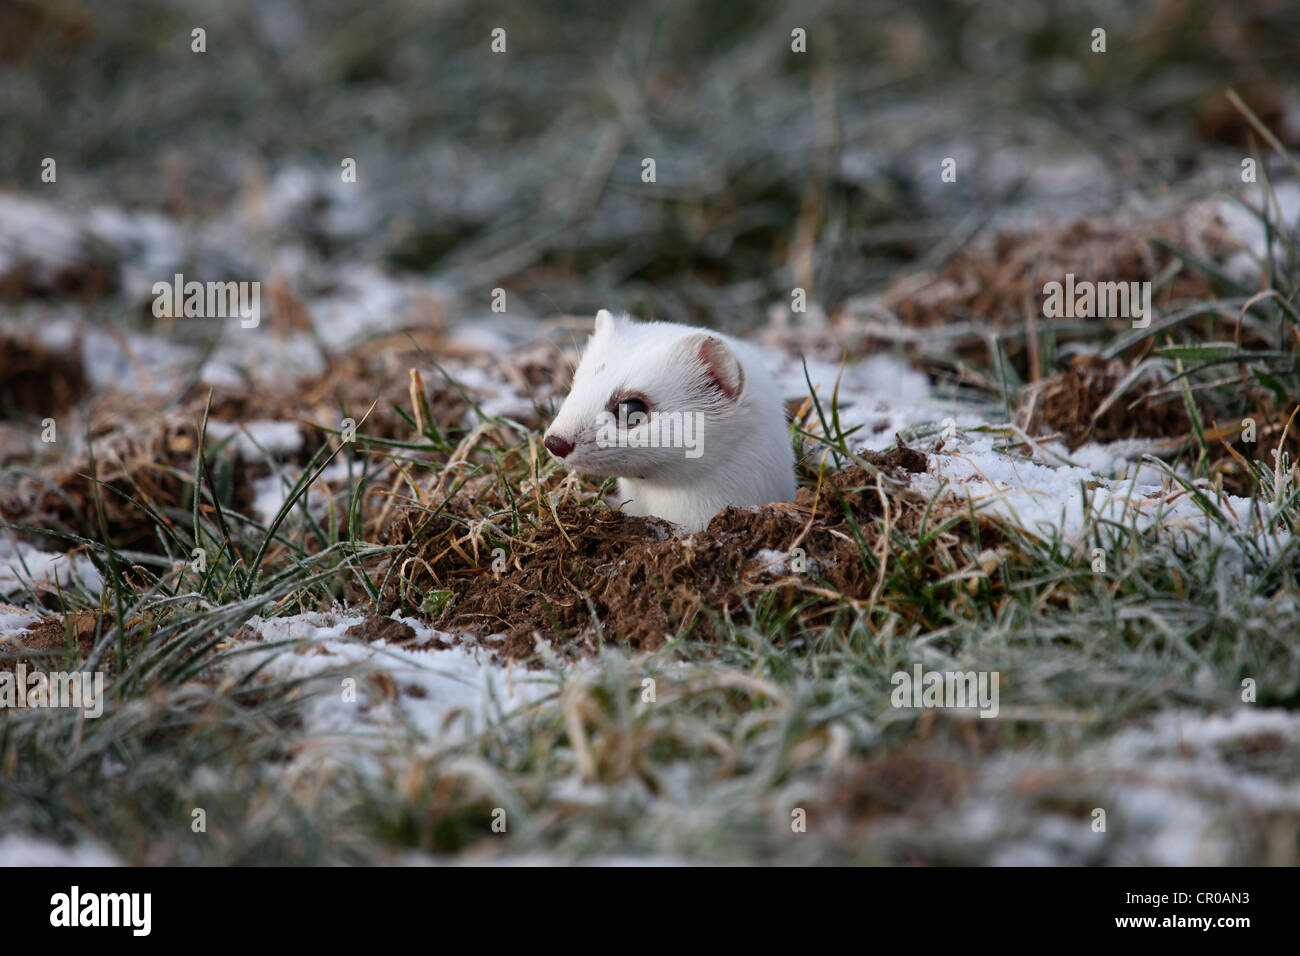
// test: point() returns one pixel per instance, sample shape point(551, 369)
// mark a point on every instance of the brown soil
point(1068, 403)
point(149, 459)
point(44, 643)
point(1219, 121)
point(999, 283)
point(379, 372)
point(347, 387)
point(378, 628)
point(995, 284)
point(77, 273)
point(597, 573)
point(36, 382)
point(898, 461)
point(918, 779)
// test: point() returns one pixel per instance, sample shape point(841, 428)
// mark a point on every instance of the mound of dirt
point(45, 252)
point(1001, 281)
point(1219, 121)
point(1071, 402)
point(44, 643)
point(139, 457)
point(379, 373)
point(587, 574)
point(36, 382)
point(346, 387)
point(993, 286)
point(898, 461)
point(378, 628)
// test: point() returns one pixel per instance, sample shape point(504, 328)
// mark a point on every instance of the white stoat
point(689, 421)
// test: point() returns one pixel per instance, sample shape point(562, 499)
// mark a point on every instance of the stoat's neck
point(688, 505)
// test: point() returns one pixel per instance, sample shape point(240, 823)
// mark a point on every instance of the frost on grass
point(1169, 791)
point(429, 686)
point(446, 623)
point(26, 569)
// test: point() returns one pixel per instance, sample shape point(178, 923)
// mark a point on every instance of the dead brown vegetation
point(580, 574)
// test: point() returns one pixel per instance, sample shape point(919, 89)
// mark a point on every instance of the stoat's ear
point(719, 362)
point(604, 321)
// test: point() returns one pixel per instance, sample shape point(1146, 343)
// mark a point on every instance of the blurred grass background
point(523, 169)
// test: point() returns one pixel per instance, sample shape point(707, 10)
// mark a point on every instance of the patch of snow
point(23, 565)
point(1178, 731)
point(276, 438)
point(20, 849)
point(271, 491)
point(368, 301)
point(317, 202)
point(496, 334)
point(136, 361)
point(1248, 229)
point(15, 621)
point(883, 394)
point(492, 392)
point(769, 562)
point(1165, 785)
point(445, 693)
point(1066, 499)
point(39, 237)
point(152, 247)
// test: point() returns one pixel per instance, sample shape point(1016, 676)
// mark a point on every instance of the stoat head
point(650, 400)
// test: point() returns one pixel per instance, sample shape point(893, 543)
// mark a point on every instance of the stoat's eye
point(633, 411)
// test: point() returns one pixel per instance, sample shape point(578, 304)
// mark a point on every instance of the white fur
point(746, 455)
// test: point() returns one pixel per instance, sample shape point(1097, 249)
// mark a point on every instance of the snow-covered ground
point(23, 565)
point(18, 849)
point(1164, 788)
point(443, 692)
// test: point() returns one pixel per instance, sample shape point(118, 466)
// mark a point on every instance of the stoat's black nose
point(557, 446)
